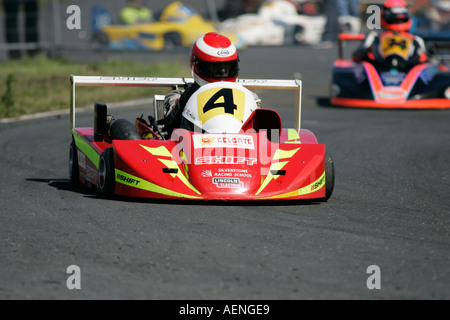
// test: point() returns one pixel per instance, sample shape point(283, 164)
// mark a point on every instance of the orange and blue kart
point(385, 85)
point(264, 161)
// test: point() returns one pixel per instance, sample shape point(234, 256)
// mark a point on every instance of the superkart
point(385, 83)
point(252, 161)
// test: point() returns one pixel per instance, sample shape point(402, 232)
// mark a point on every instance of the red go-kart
point(242, 151)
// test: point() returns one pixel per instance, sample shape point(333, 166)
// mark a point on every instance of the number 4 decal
point(220, 101)
point(227, 101)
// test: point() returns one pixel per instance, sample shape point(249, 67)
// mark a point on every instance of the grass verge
point(40, 84)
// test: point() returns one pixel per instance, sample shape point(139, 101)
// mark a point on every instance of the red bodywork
point(210, 167)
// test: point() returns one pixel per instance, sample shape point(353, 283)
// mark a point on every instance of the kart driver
point(135, 12)
point(386, 47)
point(213, 58)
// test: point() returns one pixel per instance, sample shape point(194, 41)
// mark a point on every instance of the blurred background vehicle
point(177, 25)
point(279, 22)
point(43, 28)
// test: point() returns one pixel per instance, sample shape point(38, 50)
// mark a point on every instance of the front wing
point(151, 169)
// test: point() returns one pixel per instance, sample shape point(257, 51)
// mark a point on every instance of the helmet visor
point(397, 15)
point(217, 70)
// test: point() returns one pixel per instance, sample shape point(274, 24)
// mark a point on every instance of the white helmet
point(214, 57)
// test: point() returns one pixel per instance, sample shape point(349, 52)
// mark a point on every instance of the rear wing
point(438, 44)
point(90, 81)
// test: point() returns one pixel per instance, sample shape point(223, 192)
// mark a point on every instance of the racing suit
point(377, 47)
point(174, 104)
point(131, 15)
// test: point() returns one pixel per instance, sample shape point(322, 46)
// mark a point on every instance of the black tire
point(99, 41)
point(329, 176)
point(74, 168)
point(172, 40)
point(106, 173)
point(101, 38)
point(298, 37)
point(122, 129)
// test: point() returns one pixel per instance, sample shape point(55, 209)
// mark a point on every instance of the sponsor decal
point(228, 183)
point(393, 78)
point(318, 184)
point(127, 180)
point(206, 173)
point(151, 187)
point(313, 187)
point(222, 53)
point(204, 141)
point(190, 114)
point(82, 160)
point(91, 174)
point(223, 141)
point(225, 160)
point(252, 81)
point(129, 79)
point(242, 173)
point(223, 174)
point(220, 101)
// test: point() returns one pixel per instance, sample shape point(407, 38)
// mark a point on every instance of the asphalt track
point(390, 208)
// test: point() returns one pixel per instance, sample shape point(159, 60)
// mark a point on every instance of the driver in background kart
point(394, 41)
point(214, 58)
point(135, 13)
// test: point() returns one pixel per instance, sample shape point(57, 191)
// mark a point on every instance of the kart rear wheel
point(74, 169)
point(329, 176)
point(299, 37)
point(172, 40)
point(122, 129)
point(101, 38)
point(106, 173)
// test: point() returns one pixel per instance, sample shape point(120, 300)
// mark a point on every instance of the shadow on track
point(325, 102)
point(66, 185)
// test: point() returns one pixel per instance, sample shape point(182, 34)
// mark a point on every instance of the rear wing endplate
point(92, 81)
point(342, 37)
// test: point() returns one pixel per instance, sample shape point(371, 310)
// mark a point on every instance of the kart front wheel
point(106, 173)
point(329, 176)
point(74, 169)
